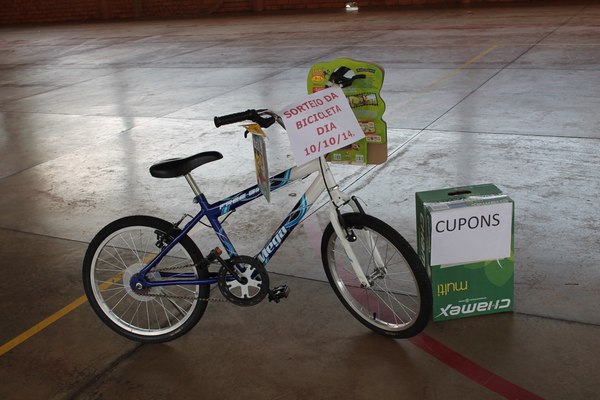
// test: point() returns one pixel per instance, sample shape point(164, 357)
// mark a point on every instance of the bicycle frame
point(212, 212)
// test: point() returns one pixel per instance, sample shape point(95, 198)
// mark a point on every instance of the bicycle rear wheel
point(158, 314)
point(398, 301)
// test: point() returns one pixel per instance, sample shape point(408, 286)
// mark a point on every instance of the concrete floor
point(509, 95)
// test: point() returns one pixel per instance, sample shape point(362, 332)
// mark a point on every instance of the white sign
point(320, 123)
point(470, 234)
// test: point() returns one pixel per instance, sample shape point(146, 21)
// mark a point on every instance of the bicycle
point(148, 281)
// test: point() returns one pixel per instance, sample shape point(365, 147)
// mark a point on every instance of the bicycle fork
point(347, 236)
point(337, 200)
point(343, 237)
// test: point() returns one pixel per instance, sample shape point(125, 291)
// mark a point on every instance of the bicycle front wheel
point(398, 301)
point(161, 313)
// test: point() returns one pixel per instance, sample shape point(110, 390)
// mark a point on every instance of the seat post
point(190, 180)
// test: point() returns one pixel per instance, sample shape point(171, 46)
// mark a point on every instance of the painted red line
point(471, 370)
point(443, 353)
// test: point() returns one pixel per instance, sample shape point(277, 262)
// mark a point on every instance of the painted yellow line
point(41, 326)
point(37, 328)
point(452, 73)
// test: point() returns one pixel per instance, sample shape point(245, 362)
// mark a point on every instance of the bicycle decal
point(225, 241)
point(297, 213)
point(233, 202)
point(280, 180)
point(283, 231)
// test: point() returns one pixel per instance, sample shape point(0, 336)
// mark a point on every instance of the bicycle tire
point(398, 302)
point(120, 250)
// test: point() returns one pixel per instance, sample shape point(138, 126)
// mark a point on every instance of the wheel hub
point(379, 273)
point(134, 286)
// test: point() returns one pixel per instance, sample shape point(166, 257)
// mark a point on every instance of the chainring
point(255, 281)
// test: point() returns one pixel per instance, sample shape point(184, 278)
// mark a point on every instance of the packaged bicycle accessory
point(465, 238)
point(361, 82)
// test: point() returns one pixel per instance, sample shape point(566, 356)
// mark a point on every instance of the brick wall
point(18, 11)
point(34, 11)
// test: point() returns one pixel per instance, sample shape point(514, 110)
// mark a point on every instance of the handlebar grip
point(248, 115)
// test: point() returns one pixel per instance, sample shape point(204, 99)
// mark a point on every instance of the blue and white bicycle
point(148, 281)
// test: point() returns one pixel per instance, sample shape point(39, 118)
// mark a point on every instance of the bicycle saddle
point(175, 167)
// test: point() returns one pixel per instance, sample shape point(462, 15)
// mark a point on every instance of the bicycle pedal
point(278, 293)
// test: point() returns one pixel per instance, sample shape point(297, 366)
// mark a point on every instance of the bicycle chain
point(208, 300)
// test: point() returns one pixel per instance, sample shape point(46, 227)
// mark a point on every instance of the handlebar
point(264, 118)
point(235, 117)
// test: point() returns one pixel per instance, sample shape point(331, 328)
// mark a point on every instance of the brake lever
point(266, 122)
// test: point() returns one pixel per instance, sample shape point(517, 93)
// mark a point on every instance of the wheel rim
point(392, 302)
point(148, 313)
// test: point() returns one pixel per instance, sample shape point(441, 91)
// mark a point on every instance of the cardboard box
point(466, 241)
